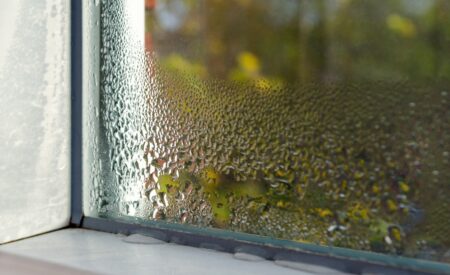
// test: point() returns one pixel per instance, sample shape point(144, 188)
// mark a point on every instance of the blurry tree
point(304, 41)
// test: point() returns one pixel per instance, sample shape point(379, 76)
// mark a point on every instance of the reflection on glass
point(314, 121)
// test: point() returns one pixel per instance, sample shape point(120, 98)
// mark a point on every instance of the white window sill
point(79, 251)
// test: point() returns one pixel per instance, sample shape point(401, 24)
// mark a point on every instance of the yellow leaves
point(391, 205)
point(396, 234)
point(324, 212)
point(358, 212)
point(220, 209)
point(249, 71)
point(212, 174)
point(403, 186)
point(359, 175)
point(376, 188)
point(249, 63)
point(167, 183)
point(211, 179)
point(361, 163)
point(280, 173)
point(364, 214)
point(401, 25)
point(251, 189)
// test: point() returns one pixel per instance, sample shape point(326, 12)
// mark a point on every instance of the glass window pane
point(313, 121)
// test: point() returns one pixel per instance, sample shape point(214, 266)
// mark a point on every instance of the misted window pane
point(313, 121)
point(35, 118)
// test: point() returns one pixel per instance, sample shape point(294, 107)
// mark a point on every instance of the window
point(322, 122)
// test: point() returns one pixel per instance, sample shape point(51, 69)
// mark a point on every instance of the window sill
point(85, 251)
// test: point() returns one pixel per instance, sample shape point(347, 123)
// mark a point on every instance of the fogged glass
point(314, 121)
point(35, 118)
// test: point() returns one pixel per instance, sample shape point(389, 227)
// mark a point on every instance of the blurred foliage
point(302, 41)
point(177, 63)
point(402, 25)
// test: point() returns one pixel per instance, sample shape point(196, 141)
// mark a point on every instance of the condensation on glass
point(314, 121)
point(35, 117)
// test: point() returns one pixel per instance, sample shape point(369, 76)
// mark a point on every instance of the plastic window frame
point(343, 259)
